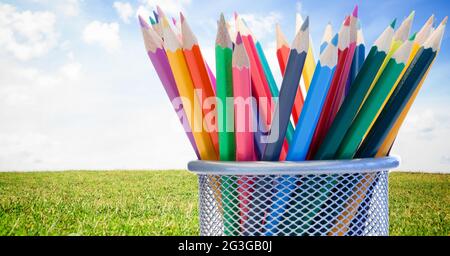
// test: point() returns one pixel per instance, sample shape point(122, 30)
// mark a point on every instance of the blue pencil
point(315, 99)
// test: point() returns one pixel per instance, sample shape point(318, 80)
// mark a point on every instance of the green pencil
point(227, 143)
point(374, 102)
point(357, 93)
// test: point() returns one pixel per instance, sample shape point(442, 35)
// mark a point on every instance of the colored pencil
point(272, 84)
point(346, 49)
point(224, 52)
point(243, 119)
point(309, 117)
point(200, 79)
point(421, 36)
point(185, 87)
point(358, 58)
point(374, 102)
point(260, 89)
point(158, 57)
point(152, 21)
point(310, 64)
point(400, 36)
point(227, 142)
point(371, 142)
point(327, 36)
point(402, 93)
point(283, 50)
point(242, 91)
point(356, 96)
point(288, 91)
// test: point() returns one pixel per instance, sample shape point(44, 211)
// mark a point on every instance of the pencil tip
point(355, 11)
point(347, 21)
point(182, 18)
point(305, 24)
point(239, 38)
point(413, 37)
point(142, 22)
point(236, 15)
point(159, 10)
point(156, 16)
point(444, 21)
point(411, 16)
point(335, 39)
point(222, 18)
point(152, 20)
point(393, 23)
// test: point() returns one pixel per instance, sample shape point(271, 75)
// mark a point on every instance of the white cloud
point(124, 10)
point(26, 34)
point(69, 8)
point(263, 26)
point(170, 7)
point(103, 34)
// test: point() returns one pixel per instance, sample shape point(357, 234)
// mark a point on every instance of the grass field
point(165, 203)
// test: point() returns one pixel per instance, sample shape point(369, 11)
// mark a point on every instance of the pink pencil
point(243, 123)
point(242, 94)
point(158, 57)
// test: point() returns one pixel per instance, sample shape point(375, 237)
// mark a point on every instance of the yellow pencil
point(421, 37)
point(188, 96)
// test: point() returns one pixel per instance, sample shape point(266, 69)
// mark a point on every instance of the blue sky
point(77, 90)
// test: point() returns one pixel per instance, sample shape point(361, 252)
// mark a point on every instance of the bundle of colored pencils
point(346, 105)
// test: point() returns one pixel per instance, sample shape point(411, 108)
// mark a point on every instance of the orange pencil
point(200, 77)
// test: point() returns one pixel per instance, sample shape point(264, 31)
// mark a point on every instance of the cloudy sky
point(78, 92)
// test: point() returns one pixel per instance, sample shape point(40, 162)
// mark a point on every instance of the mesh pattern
point(319, 205)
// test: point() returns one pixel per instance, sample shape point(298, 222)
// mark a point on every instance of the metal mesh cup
point(345, 197)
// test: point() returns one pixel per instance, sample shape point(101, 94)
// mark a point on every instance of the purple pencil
point(158, 57)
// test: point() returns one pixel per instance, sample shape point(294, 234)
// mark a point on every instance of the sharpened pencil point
point(335, 39)
point(411, 15)
point(393, 23)
point(143, 23)
point(239, 38)
point(413, 37)
point(222, 18)
point(355, 11)
point(430, 20)
point(156, 16)
point(160, 11)
point(305, 25)
point(444, 21)
point(182, 18)
point(235, 15)
point(152, 21)
point(347, 21)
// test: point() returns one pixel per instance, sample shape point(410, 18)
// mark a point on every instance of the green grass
point(165, 203)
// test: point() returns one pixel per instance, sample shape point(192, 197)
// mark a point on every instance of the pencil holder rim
point(327, 167)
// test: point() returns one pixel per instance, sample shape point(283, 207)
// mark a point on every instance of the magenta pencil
point(158, 57)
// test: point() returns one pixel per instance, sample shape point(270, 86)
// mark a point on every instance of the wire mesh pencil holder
point(313, 198)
